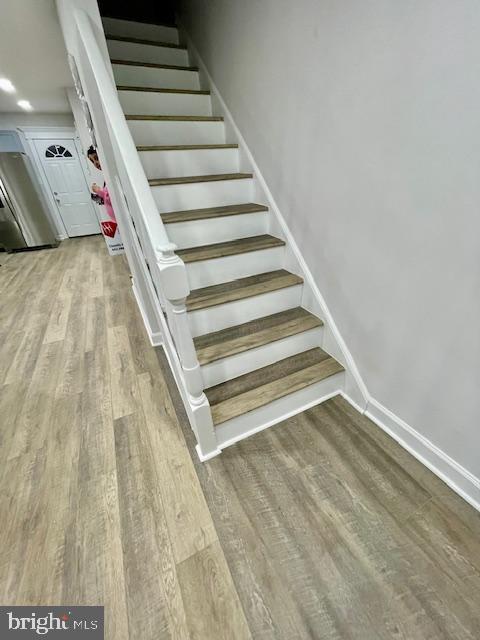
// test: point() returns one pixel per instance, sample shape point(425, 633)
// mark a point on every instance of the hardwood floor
point(321, 527)
point(100, 502)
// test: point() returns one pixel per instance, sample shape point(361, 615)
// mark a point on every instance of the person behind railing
point(101, 192)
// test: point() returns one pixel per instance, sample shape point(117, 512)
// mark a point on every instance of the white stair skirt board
point(166, 104)
point(155, 337)
point(208, 272)
point(247, 361)
point(231, 431)
point(120, 50)
point(117, 27)
point(192, 162)
point(357, 388)
point(138, 76)
point(201, 195)
point(200, 232)
point(231, 314)
point(176, 132)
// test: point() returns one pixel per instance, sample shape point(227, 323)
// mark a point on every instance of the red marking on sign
point(109, 228)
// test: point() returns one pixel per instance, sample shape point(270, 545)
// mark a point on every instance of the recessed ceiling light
point(6, 85)
point(25, 104)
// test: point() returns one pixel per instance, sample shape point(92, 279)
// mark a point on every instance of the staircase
point(257, 326)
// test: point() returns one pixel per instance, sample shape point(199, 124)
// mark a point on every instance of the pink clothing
point(103, 193)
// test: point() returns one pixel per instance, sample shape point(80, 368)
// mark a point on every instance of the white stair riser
point(146, 132)
point(196, 233)
point(234, 366)
point(120, 50)
point(116, 27)
point(200, 195)
point(251, 422)
point(138, 76)
point(165, 104)
point(201, 162)
point(208, 272)
point(231, 314)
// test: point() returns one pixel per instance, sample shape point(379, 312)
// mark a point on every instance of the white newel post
point(175, 289)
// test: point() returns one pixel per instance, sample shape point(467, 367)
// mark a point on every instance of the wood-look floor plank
point(95, 570)
point(21, 361)
point(207, 586)
point(32, 423)
point(186, 512)
point(72, 376)
point(57, 325)
point(157, 609)
point(95, 285)
point(124, 387)
point(39, 509)
point(96, 323)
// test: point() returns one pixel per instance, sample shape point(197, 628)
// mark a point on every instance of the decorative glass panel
point(57, 151)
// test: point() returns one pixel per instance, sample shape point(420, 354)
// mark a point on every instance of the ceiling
point(33, 56)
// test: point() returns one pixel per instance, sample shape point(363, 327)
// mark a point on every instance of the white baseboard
point(453, 474)
point(155, 338)
point(209, 456)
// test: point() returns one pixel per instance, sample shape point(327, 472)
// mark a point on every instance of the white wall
point(33, 56)
point(364, 118)
point(14, 120)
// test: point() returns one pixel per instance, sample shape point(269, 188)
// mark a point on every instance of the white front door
point(69, 187)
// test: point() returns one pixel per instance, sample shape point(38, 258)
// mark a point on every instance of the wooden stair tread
point(154, 43)
point(169, 25)
point(240, 289)
point(231, 248)
point(258, 388)
point(215, 177)
point(256, 333)
point(196, 92)
point(211, 212)
point(175, 118)
point(184, 147)
point(153, 65)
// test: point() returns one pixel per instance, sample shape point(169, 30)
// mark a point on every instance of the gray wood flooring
point(321, 527)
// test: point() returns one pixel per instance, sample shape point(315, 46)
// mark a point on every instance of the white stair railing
point(159, 275)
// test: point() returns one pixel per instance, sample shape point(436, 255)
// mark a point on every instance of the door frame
point(30, 135)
